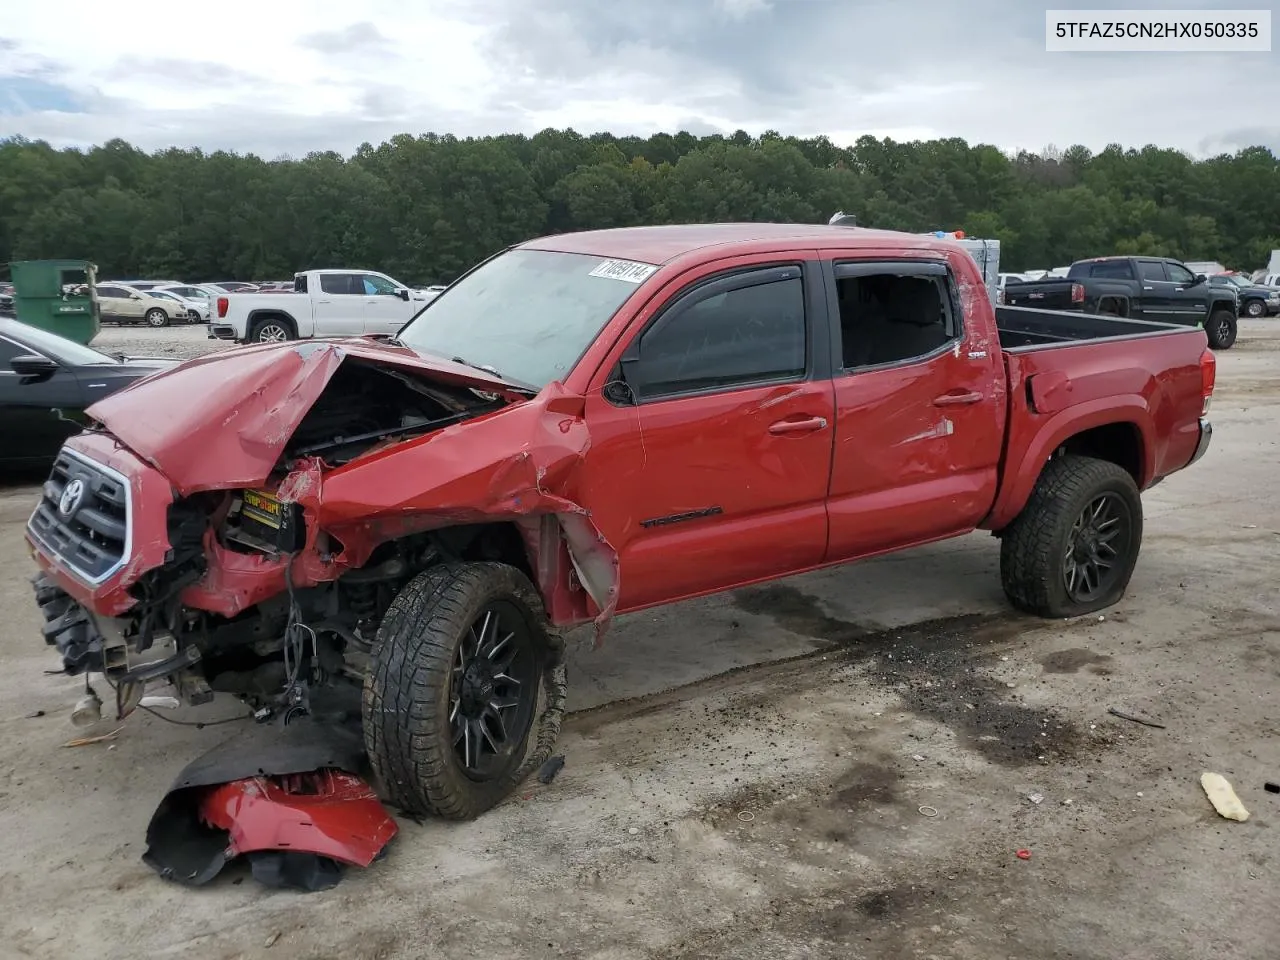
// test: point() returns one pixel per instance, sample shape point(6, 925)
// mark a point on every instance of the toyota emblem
point(72, 494)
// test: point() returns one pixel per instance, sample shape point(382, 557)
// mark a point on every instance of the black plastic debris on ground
point(549, 769)
point(185, 847)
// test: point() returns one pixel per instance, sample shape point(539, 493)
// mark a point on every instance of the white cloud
point(292, 76)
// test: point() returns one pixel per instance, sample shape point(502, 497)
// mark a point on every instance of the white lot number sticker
point(625, 270)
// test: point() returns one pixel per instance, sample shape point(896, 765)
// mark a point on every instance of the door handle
point(799, 426)
point(956, 399)
point(324, 301)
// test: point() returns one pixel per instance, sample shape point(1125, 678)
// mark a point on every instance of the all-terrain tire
point(1220, 328)
point(157, 318)
point(1033, 547)
point(406, 702)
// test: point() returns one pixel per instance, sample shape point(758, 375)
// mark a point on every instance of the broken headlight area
point(292, 803)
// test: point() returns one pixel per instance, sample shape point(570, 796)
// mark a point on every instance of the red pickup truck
point(585, 425)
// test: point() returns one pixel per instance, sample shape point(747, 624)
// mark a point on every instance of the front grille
point(88, 532)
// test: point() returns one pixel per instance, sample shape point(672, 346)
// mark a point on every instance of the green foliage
point(426, 208)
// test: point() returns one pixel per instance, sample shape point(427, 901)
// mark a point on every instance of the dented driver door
point(920, 398)
point(711, 436)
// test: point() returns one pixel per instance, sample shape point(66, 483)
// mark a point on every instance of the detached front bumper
point(1206, 435)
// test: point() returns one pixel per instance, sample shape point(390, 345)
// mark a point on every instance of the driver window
point(378, 286)
point(9, 350)
point(1179, 274)
point(752, 334)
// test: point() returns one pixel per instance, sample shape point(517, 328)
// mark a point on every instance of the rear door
point(1156, 291)
point(920, 405)
point(711, 431)
point(339, 305)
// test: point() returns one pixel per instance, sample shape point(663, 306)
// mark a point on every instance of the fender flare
point(1129, 409)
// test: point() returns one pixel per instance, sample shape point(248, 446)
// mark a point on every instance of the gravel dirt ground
point(839, 765)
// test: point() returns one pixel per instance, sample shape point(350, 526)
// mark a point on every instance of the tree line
point(425, 208)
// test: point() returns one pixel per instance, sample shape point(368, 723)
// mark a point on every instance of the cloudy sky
point(290, 76)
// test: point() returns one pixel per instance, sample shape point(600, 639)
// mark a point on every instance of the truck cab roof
point(663, 244)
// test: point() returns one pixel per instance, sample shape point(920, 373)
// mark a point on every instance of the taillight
point(222, 307)
point(1077, 293)
point(1208, 378)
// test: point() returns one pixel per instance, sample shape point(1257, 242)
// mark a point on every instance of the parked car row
point(322, 303)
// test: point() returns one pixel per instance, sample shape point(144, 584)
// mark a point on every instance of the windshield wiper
point(525, 387)
point(475, 366)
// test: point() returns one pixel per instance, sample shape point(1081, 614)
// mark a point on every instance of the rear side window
point(1152, 270)
point(347, 284)
point(751, 334)
point(893, 317)
point(1112, 270)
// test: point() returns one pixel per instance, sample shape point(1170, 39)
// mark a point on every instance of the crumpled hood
point(235, 410)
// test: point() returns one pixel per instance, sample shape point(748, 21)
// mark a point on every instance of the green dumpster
point(57, 295)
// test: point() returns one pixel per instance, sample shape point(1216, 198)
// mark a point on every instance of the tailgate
point(1048, 296)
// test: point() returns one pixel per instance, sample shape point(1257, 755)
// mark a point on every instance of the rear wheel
point(271, 330)
point(1072, 549)
point(465, 691)
point(157, 318)
point(1220, 328)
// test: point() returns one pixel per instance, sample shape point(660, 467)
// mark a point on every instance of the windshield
point(59, 348)
point(1239, 281)
point(528, 314)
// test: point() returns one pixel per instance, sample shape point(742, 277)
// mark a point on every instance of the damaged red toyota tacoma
point(585, 425)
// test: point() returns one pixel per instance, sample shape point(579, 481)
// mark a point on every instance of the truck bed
point(1023, 328)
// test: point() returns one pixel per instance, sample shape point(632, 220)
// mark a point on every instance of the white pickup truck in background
point(324, 303)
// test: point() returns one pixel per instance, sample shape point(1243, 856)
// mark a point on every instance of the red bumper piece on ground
point(289, 801)
point(325, 812)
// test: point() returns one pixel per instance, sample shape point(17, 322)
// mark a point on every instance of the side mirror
point(30, 366)
point(403, 294)
point(1201, 278)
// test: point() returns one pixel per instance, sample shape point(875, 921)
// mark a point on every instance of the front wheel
point(157, 318)
point(465, 691)
point(1255, 308)
point(1221, 330)
point(1072, 549)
